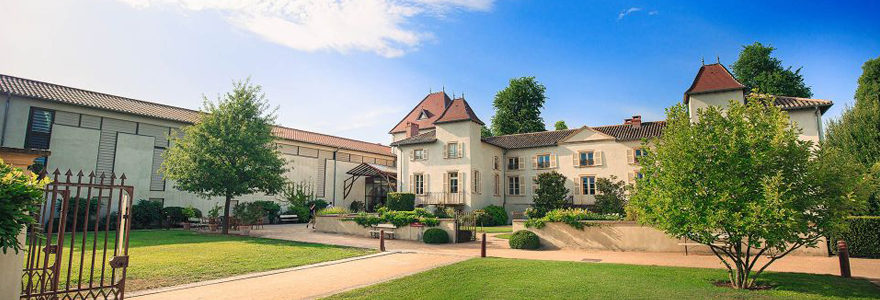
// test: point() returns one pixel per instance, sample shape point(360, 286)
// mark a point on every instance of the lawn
point(160, 258)
point(498, 278)
point(505, 236)
point(495, 229)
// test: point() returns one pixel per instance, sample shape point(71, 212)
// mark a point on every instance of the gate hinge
point(119, 262)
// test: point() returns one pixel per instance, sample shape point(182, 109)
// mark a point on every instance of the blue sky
point(354, 68)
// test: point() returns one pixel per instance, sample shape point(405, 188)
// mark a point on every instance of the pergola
point(389, 174)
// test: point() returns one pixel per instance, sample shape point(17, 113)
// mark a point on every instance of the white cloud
point(379, 26)
point(627, 12)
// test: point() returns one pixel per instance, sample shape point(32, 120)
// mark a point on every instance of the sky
point(355, 68)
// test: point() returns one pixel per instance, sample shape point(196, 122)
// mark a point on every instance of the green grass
point(498, 278)
point(160, 258)
point(505, 236)
point(495, 229)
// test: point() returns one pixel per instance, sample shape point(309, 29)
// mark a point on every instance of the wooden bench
point(289, 218)
point(388, 228)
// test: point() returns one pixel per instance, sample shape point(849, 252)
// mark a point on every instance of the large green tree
point(741, 182)
point(560, 125)
point(757, 69)
point(518, 107)
point(857, 131)
point(230, 151)
point(550, 194)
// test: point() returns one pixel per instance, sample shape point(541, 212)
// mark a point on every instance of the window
point(419, 184)
point(39, 128)
point(585, 159)
point(513, 185)
point(452, 150)
point(638, 153)
point(419, 154)
point(543, 161)
point(495, 163)
point(588, 185)
point(476, 189)
point(423, 115)
point(513, 163)
point(453, 182)
point(497, 185)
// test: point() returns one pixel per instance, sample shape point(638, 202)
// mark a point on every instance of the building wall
point(700, 101)
point(809, 120)
point(96, 140)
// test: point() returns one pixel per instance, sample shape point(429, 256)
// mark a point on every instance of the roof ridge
point(445, 104)
point(536, 132)
point(643, 123)
point(330, 135)
point(100, 93)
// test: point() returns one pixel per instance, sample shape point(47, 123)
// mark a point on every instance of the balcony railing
point(440, 198)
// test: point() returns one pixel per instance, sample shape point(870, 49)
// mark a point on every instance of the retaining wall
point(343, 225)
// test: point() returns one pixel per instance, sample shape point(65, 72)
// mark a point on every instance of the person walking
point(312, 216)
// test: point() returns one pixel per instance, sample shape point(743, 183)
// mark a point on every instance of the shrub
point(863, 236)
point(435, 236)
point(271, 209)
point(570, 216)
point(356, 206)
point(176, 214)
point(297, 193)
point(333, 211)
point(20, 198)
point(396, 218)
point(319, 204)
point(551, 192)
point(249, 212)
point(524, 239)
point(401, 201)
point(494, 216)
point(611, 196)
point(146, 214)
point(301, 212)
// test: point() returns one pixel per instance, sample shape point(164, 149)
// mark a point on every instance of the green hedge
point(495, 216)
point(524, 239)
point(401, 201)
point(146, 214)
point(863, 236)
point(435, 236)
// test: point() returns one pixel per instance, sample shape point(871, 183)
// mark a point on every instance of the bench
point(289, 218)
point(376, 230)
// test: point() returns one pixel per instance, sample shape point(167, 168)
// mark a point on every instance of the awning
point(366, 169)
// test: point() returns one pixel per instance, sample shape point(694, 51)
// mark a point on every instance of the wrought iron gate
point(465, 227)
point(79, 248)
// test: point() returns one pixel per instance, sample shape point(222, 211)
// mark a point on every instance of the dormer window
point(423, 115)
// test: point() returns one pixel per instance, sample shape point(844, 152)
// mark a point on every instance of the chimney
point(636, 121)
point(412, 129)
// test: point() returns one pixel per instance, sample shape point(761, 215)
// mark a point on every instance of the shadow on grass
point(160, 237)
point(821, 285)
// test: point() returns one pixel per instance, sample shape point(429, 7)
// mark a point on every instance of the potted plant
point(214, 217)
point(249, 214)
point(189, 212)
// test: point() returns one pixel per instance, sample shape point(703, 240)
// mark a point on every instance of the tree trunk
point(226, 214)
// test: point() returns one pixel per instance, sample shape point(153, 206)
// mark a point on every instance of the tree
point(20, 196)
point(756, 69)
point(857, 132)
point(551, 192)
point(485, 131)
point(230, 151)
point(740, 182)
point(518, 107)
point(611, 198)
point(560, 125)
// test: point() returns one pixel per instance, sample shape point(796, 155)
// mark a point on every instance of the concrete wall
point(11, 268)
point(810, 122)
point(700, 101)
point(624, 236)
point(339, 224)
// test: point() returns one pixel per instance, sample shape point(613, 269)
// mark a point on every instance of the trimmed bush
point(301, 212)
point(524, 239)
point(333, 211)
point(146, 214)
point(271, 209)
point(176, 214)
point(435, 236)
point(401, 201)
point(495, 216)
point(863, 236)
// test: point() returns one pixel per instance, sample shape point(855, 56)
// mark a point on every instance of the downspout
point(335, 162)
point(503, 178)
point(5, 118)
point(819, 124)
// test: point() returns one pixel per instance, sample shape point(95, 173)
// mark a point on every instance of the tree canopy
point(757, 69)
point(551, 193)
point(740, 182)
point(560, 125)
point(518, 107)
point(857, 132)
point(230, 151)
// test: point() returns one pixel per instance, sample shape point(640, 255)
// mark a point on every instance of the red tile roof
point(795, 103)
point(59, 93)
point(626, 132)
point(458, 110)
point(434, 104)
point(530, 140)
point(711, 78)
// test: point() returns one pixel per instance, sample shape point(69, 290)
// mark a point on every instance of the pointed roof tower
point(458, 110)
point(713, 78)
point(425, 113)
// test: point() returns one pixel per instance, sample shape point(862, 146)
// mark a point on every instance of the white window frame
point(514, 187)
point(513, 166)
point(584, 188)
point(539, 159)
point(453, 178)
point(419, 184)
point(419, 154)
point(589, 161)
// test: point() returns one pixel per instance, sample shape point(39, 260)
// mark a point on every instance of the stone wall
point(340, 224)
point(624, 236)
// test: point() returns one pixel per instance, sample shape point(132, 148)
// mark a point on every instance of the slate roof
point(530, 140)
point(713, 78)
point(74, 96)
point(423, 138)
point(626, 132)
point(458, 110)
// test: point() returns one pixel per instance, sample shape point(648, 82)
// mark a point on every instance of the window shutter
point(600, 158)
point(412, 155)
point(427, 182)
point(412, 183)
point(534, 184)
point(445, 150)
point(553, 160)
point(534, 162)
point(630, 156)
point(445, 182)
point(462, 182)
point(576, 159)
point(521, 185)
point(425, 154)
point(577, 186)
point(460, 150)
point(521, 164)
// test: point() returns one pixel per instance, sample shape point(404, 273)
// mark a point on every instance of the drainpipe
point(335, 162)
point(5, 118)
point(503, 178)
point(819, 124)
